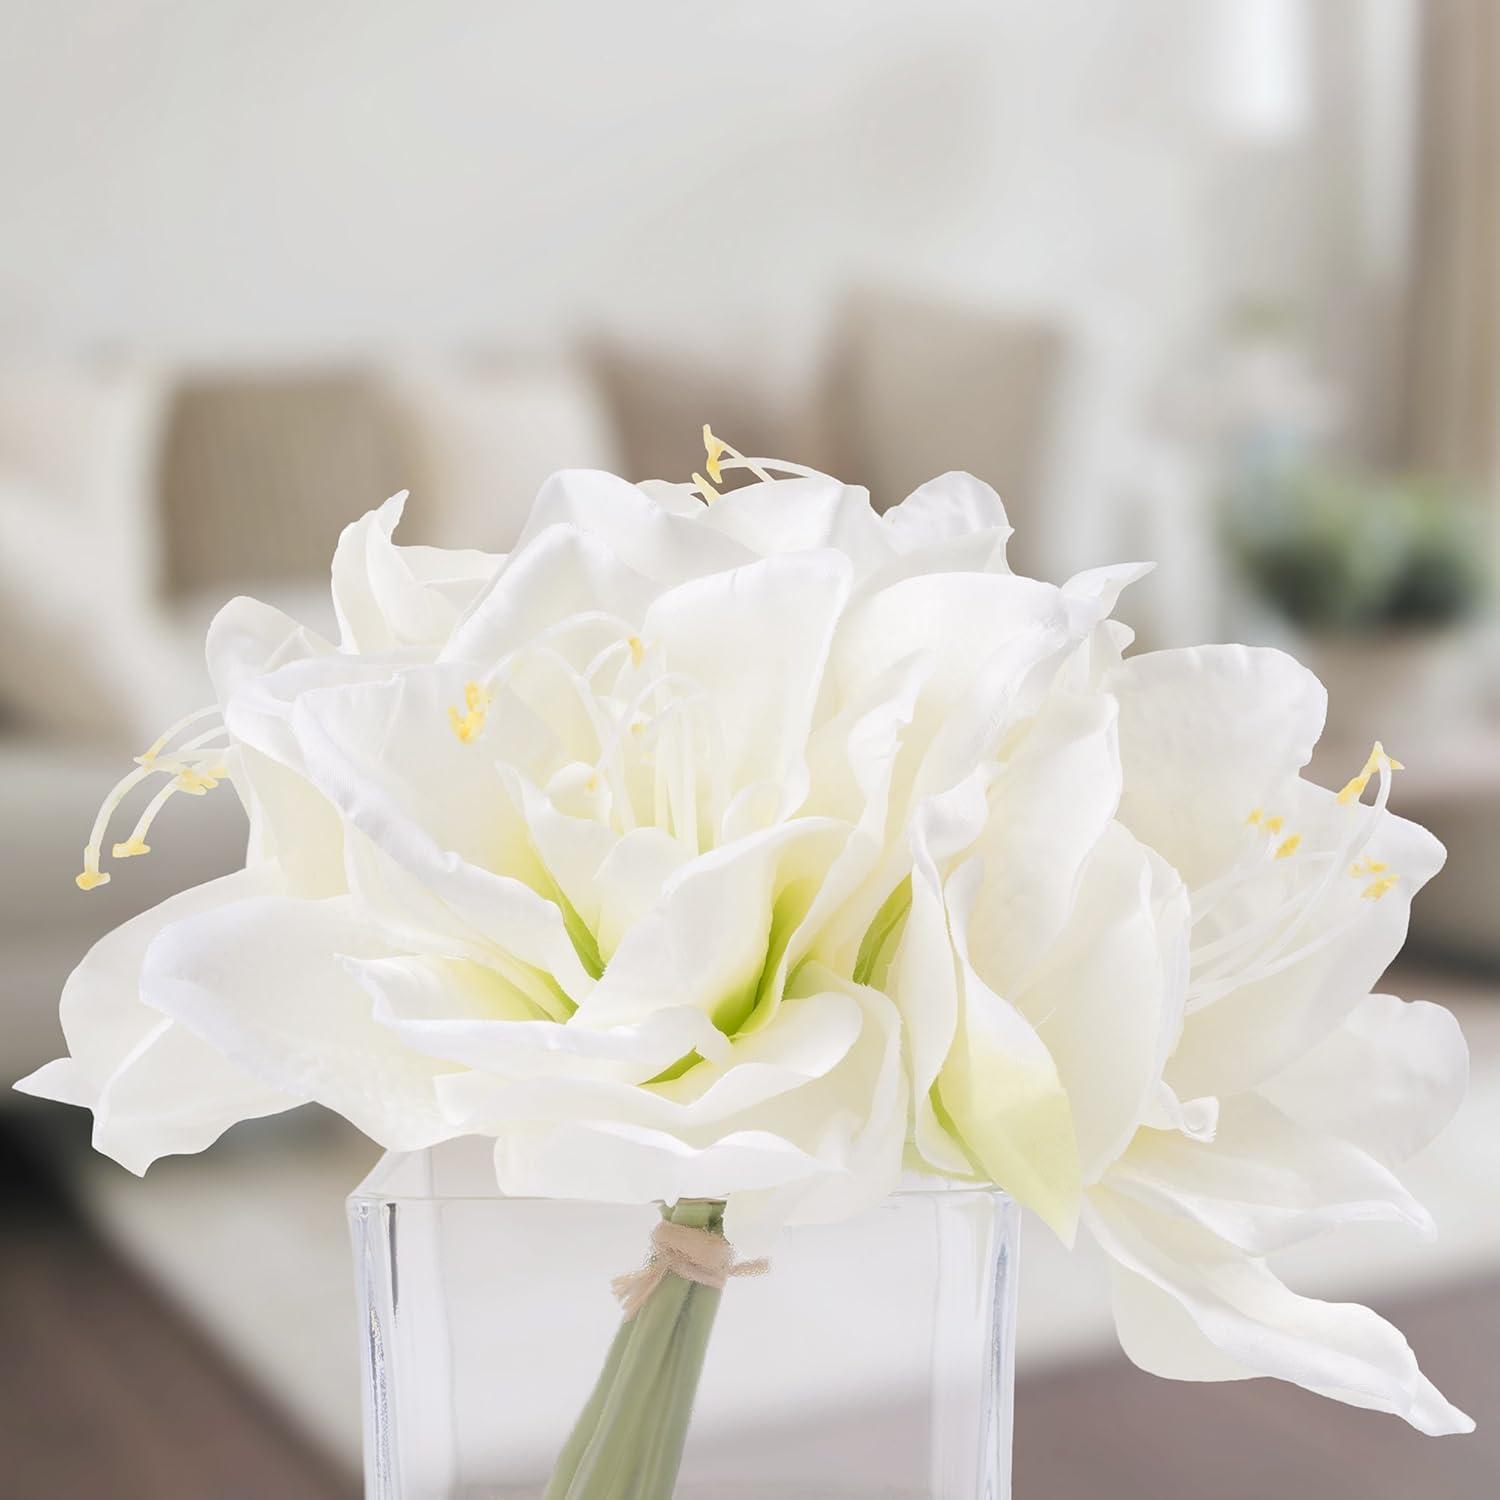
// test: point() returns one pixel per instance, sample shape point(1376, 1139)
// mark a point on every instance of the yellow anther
point(196, 783)
point(1273, 825)
point(638, 728)
point(467, 725)
point(1377, 888)
point(1376, 866)
point(90, 880)
point(715, 450)
point(1288, 846)
point(591, 786)
point(130, 848)
point(637, 650)
point(1355, 786)
point(1255, 817)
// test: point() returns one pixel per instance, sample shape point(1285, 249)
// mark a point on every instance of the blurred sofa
point(135, 499)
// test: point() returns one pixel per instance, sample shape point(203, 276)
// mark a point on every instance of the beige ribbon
point(683, 1250)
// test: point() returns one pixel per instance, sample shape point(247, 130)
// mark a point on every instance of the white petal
point(803, 515)
point(630, 881)
point(924, 975)
point(852, 762)
point(248, 638)
point(263, 982)
point(468, 1013)
point(1001, 1088)
point(807, 1039)
point(1102, 587)
point(561, 572)
point(155, 1089)
point(809, 1036)
point(387, 596)
point(289, 821)
point(944, 739)
point(1389, 1079)
point(1235, 1319)
point(1207, 735)
point(572, 849)
point(362, 623)
point(857, 1115)
point(755, 640)
point(1049, 806)
point(1108, 1001)
point(292, 823)
point(384, 756)
point(1264, 1182)
point(1256, 1030)
point(1197, 1119)
point(709, 938)
point(962, 618)
point(954, 505)
point(259, 711)
point(805, 1125)
point(654, 540)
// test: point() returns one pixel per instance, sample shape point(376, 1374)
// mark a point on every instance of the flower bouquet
point(732, 847)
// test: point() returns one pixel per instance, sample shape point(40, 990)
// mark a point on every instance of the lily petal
point(1264, 1182)
point(262, 983)
point(1412, 1064)
point(1191, 1307)
point(155, 1089)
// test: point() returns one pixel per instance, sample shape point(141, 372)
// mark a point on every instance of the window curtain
point(1453, 369)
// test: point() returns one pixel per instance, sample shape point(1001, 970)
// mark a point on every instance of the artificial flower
point(1186, 995)
point(744, 844)
point(542, 847)
point(1302, 1089)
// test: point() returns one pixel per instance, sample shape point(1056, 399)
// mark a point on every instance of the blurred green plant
point(1336, 551)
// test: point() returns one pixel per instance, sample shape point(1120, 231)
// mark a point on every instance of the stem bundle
point(629, 1438)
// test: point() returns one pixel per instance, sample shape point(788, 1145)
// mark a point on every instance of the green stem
point(679, 1390)
point(628, 1441)
point(588, 1421)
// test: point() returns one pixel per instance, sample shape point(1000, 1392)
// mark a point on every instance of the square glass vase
point(875, 1357)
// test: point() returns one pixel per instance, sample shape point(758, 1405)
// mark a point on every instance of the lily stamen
point(716, 448)
point(483, 691)
point(468, 724)
point(1221, 955)
point(168, 735)
point(759, 466)
point(1378, 761)
point(194, 782)
point(187, 776)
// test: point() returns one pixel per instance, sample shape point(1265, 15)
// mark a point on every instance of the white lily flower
point(1162, 943)
point(743, 844)
point(1300, 900)
point(547, 848)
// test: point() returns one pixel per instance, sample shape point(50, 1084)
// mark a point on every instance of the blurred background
point(1214, 282)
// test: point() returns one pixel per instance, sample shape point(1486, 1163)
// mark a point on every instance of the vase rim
point(406, 1177)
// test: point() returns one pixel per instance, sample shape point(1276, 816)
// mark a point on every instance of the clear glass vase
point(875, 1358)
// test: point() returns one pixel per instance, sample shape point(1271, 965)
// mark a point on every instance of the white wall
point(216, 178)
